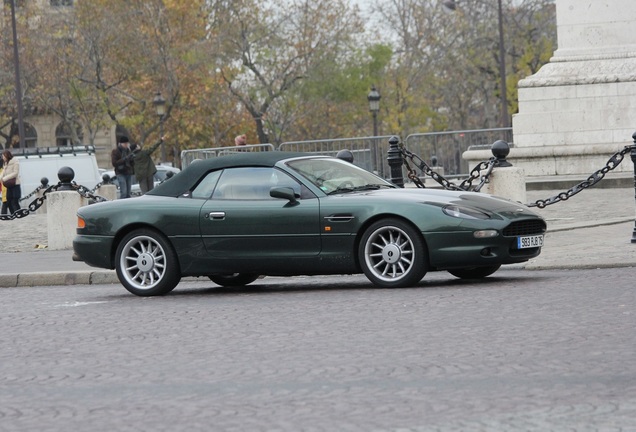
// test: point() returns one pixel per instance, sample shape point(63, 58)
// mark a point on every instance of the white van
point(39, 162)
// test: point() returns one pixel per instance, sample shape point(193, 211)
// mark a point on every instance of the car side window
point(205, 187)
point(252, 183)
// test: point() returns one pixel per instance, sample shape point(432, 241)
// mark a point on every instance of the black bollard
point(66, 176)
point(345, 155)
point(394, 158)
point(632, 155)
point(500, 149)
point(45, 182)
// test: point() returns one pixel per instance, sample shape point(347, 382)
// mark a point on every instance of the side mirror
point(284, 193)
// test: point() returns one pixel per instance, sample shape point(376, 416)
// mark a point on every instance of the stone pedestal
point(61, 218)
point(507, 182)
point(108, 191)
point(580, 108)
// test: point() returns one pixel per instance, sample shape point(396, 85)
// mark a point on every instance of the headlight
point(464, 212)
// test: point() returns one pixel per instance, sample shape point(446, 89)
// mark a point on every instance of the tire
point(392, 254)
point(233, 279)
point(146, 263)
point(474, 272)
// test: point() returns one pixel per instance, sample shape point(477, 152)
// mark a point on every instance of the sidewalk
point(592, 229)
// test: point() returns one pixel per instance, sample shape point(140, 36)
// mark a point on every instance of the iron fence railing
point(445, 149)
point(368, 152)
point(440, 149)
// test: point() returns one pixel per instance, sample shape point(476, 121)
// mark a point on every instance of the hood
point(440, 197)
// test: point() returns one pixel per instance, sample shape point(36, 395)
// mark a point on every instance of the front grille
point(525, 227)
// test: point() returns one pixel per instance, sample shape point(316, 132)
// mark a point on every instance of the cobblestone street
point(533, 351)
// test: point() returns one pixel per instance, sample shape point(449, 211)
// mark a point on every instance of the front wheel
point(233, 279)
point(474, 272)
point(146, 264)
point(392, 254)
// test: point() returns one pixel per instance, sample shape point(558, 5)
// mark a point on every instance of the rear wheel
point(146, 264)
point(233, 279)
point(392, 254)
point(474, 272)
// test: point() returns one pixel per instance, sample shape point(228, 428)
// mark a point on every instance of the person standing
point(145, 168)
point(240, 141)
point(122, 160)
point(11, 181)
point(5, 205)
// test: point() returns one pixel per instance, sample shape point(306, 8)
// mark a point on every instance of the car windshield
point(336, 176)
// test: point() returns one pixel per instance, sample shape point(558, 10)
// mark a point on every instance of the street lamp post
point(505, 119)
point(18, 84)
point(374, 106)
point(160, 107)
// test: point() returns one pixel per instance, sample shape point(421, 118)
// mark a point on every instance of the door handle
point(215, 215)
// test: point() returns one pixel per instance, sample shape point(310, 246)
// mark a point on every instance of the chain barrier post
point(501, 177)
point(632, 155)
point(66, 176)
point(500, 149)
point(394, 158)
point(62, 207)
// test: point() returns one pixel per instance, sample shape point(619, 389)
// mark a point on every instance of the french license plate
point(529, 241)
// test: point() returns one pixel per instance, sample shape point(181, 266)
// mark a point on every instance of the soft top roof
point(183, 181)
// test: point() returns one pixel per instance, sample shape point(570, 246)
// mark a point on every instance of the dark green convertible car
point(238, 217)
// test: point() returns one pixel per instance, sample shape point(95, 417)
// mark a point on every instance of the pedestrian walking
point(145, 168)
point(122, 160)
point(11, 181)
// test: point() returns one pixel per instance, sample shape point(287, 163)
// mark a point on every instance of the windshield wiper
point(358, 188)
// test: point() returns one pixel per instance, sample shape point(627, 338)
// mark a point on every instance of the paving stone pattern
point(524, 351)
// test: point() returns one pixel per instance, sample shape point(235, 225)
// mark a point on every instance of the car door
point(242, 221)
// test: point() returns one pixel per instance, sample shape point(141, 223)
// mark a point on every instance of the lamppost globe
point(374, 106)
point(160, 104)
point(450, 4)
point(374, 100)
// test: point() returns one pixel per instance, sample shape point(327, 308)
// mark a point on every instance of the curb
point(58, 279)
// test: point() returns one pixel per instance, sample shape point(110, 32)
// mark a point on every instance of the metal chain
point(463, 186)
point(596, 177)
point(37, 189)
point(39, 201)
point(32, 207)
point(88, 193)
point(476, 173)
point(97, 186)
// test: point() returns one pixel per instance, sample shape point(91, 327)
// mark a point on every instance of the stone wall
point(580, 108)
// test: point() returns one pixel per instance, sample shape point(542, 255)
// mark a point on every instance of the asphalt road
point(521, 351)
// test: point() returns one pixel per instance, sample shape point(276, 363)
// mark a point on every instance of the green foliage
point(281, 70)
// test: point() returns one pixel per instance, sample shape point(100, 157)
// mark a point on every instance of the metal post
point(163, 143)
point(375, 123)
point(394, 158)
point(505, 121)
point(632, 155)
point(374, 145)
point(18, 84)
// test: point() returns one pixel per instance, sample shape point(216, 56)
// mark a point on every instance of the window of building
point(30, 137)
point(61, 2)
point(64, 137)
